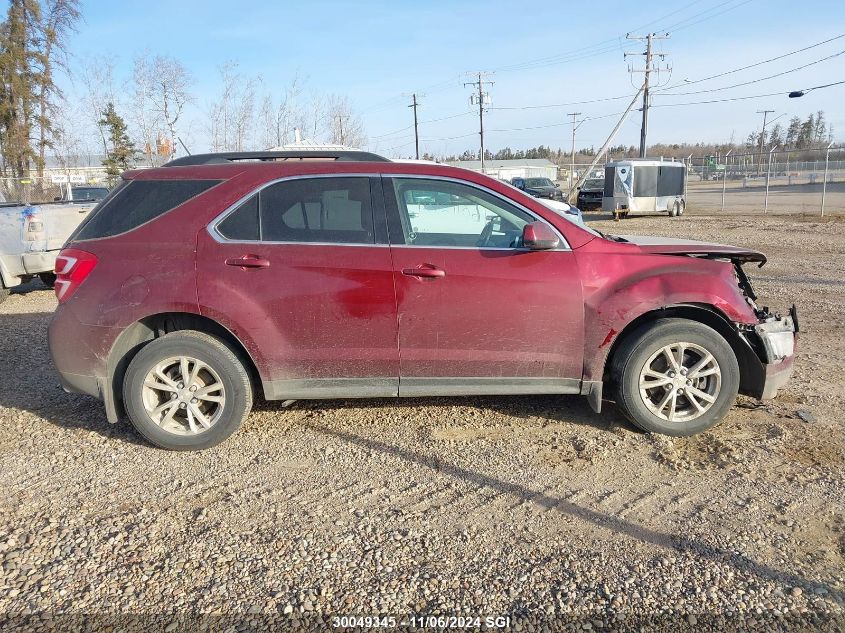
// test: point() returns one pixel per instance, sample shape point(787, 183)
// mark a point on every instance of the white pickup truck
point(31, 236)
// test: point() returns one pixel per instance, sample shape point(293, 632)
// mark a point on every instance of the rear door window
point(136, 203)
point(335, 210)
point(242, 224)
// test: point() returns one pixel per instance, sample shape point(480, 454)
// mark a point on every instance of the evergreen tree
point(20, 74)
point(121, 156)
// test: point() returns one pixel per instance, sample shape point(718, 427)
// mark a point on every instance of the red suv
point(195, 286)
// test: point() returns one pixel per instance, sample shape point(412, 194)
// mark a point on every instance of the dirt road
point(528, 507)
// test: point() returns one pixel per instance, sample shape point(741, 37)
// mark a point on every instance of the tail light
point(72, 268)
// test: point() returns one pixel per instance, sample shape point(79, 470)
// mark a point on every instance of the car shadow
point(550, 408)
point(31, 286)
point(696, 547)
point(38, 391)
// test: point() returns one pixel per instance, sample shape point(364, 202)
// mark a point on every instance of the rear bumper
point(39, 262)
point(80, 383)
point(79, 353)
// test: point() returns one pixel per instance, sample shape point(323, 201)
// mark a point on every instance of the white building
point(517, 168)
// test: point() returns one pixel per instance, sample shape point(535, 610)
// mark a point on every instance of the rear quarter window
point(136, 203)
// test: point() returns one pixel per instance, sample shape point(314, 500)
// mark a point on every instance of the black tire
point(637, 349)
point(4, 293)
point(217, 355)
point(48, 279)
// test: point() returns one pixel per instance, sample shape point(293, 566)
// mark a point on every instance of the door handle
point(427, 271)
point(248, 261)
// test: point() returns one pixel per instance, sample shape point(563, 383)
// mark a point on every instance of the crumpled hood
point(673, 246)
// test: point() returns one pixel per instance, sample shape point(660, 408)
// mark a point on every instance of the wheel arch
point(749, 363)
point(141, 332)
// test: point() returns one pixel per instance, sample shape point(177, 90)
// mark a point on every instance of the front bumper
point(778, 338)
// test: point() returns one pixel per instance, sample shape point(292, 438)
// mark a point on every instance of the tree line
point(800, 135)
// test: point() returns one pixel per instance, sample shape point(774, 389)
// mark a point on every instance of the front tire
point(675, 377)
point(187, 391)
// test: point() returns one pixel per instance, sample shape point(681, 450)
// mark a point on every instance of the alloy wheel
point(680, 382)
point(183, 395)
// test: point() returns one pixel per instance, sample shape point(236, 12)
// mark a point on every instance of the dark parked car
point(538, 187)
point(590, 194)
point(194, 287)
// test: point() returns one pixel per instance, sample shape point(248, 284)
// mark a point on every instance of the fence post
point(824, 182)
point(768, 175)
point(725, 179)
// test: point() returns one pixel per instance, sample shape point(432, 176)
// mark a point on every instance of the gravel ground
point(529, 507)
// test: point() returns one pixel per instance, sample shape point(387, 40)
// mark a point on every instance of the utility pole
point(604, 147)
point(647, 70)
point(481, 98)
point(414, 105)
point(765, 114)
point(572, 158)
point(340, 118)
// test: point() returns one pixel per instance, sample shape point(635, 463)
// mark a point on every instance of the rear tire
point(682, 396)
point(673, 209)
point(187, 391)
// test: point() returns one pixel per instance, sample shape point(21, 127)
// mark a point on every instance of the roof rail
point(272, 156)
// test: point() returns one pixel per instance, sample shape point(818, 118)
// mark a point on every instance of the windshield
point(593, 183)
point(89, 193)
point(538, 182)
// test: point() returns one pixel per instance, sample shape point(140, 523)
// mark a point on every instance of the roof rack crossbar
point(271, 156)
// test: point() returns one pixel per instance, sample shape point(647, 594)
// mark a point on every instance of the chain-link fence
point(771, 181)
point(809, 181)
point(37, 189)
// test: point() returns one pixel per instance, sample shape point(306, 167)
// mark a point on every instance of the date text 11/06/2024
point(421, 622)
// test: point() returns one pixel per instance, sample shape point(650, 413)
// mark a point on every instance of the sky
point(541, 53)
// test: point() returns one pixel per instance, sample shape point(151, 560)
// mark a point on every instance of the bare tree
point(344, 124)
point(97, 75)
point(276, 119)
point(232, 116)
point(146, 123)
point(169, 91)
point(245, 116)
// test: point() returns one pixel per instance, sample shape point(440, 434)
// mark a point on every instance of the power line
point(672, 105)
point(408, 127)
point(563, 105)
point(664, 91)
point(754, 65)
point(600, 48)
point(615, 43)
point(753, 81)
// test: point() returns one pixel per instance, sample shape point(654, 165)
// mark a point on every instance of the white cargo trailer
point(644, 186)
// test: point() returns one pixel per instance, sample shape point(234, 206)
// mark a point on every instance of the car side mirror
point(557, 185)
point(539, 236)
